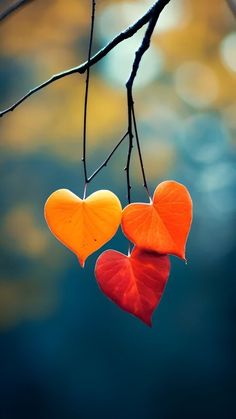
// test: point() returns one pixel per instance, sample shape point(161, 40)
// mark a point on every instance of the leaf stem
point(140, 154)
point(130, 133)
point(86, 96)
point(85, 189)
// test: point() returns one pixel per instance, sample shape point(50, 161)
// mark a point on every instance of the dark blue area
point(89, 359)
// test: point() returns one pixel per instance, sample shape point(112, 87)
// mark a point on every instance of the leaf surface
point(83, 225)
point(163, 225)
point(136, 282)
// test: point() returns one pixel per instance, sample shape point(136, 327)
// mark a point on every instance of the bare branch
point(145, 43)
point(13, 8)
point(129, 32)
point(232, 6)
point(156, 10)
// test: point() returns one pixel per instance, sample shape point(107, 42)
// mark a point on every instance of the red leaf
point(136, 282)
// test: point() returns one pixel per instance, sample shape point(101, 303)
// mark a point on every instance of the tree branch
point(232, 6)
point(13, 8)
point(156, 9)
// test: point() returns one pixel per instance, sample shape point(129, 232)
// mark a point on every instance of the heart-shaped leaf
point(136, 282)
point(83, 225)
point(163, 225)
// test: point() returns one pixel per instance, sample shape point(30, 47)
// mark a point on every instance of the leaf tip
point(147, 321)
point(81, 261)
point(181, 254)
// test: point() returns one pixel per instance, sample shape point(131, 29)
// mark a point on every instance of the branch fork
point(150, 18)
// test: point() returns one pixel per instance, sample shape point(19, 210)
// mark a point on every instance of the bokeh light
point(227, 51)
point(197, 84)
point(117, 66)
point(205, 138)
point(175, 17)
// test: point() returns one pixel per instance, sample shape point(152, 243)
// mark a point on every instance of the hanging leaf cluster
point(135, 282)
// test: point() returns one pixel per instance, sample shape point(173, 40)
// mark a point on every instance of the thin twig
point(140, 153)
point(86, 97)
point(232, 6)
point(129, 32)
point(107, 159)
point(129, 85)
point(13, 8)
point(130, 133)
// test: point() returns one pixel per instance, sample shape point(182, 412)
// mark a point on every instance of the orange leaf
point(83, 225)
point(136, 282)
point(163, 225)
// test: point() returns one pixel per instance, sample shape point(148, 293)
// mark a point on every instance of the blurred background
point(65, 350)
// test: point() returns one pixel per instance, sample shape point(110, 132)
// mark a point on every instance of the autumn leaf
point(163, 225)
point(83, 225)
point(135, 282)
